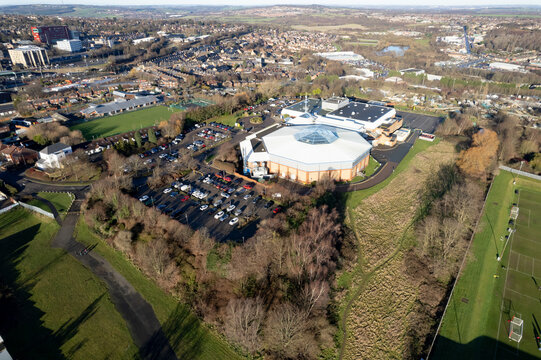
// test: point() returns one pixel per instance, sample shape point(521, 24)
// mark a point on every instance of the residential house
point(51, 156)
point(18, 155)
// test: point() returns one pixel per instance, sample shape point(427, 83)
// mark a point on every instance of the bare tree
point(243, 322)
point(285, 331)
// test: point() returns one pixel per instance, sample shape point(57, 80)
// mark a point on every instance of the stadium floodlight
point(515, 329)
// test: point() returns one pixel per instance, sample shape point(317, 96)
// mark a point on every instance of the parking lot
point(212, 201)
point(426, 123)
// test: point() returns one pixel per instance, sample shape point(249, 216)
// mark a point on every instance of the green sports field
point(490, 293)
point(121, 123)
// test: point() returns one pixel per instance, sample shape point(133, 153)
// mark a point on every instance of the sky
point(356, 3)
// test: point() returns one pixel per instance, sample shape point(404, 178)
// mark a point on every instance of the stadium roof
point(361, 111)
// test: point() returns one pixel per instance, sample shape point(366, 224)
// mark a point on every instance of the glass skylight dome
point(316, 135)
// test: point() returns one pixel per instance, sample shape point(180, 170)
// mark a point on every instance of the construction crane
point(466, 40)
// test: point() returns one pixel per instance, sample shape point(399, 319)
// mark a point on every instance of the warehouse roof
point(121, 105)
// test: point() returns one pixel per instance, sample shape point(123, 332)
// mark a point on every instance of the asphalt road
point(389, 158)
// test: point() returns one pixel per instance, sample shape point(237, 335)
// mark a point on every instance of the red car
point(219, 175)
point(248, 186)
point(227, 178)
point(277, 210)
point(186, 197)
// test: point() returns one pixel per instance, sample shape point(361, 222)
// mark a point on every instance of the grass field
point(489, 293)
point(61, 201)
point(228, 120)
point(376, 295)
point(190, 338)
point(121, 123)
point(52, 307)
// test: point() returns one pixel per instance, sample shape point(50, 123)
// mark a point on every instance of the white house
point(52, 156)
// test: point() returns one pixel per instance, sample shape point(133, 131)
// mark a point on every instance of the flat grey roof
point(311, 105)
point(361, 111)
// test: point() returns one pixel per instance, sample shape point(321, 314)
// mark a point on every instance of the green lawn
point(370, 169)
point(354, 198)
point(121, 123)
point(228, 120)
point(487, 295)
point(51, 306)
point(60, 200)
point(188, 335)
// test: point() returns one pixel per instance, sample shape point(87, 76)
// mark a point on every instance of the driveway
point(389, 159)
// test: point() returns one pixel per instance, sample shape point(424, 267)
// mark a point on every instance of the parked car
point(231, 208)
point(269, 204)
point(218, 203)
point(224, 216)
point(277, 210)
point(143, 198)
point(248, 186)
point(234, 221)
point(237, 212)
point(186, 197)
point(167, 190)
point(203, 207)
point(219, 214)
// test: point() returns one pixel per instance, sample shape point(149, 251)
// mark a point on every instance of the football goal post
point(515, 329)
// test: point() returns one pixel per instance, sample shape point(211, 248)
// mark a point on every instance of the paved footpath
point(144, 327)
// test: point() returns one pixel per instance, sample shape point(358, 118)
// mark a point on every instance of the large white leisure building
point(318, 138)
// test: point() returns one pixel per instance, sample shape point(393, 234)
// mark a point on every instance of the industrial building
point(119, 106)
point(73, 45)
point(50, 34)
point(29, 56)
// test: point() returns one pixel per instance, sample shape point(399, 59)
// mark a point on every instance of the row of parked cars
point(211, 134)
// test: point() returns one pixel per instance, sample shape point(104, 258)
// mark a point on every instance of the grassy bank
point(189, 337)
point(52, 306)
point(355, 197)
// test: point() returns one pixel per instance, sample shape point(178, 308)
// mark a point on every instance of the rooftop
point(361, 112)
point(307, 105)
point(313, 145)
point(51, 149)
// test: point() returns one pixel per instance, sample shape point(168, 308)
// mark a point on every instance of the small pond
point(395, 50)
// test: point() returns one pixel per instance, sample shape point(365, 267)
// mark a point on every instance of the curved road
point(140, 318)
point(390, 158)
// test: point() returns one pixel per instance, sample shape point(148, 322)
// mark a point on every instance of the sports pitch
point(489, 292)
point(121, 123)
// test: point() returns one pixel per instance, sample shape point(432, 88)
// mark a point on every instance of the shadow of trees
point(183, 331)
point(483, 347)
point(21, 323)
